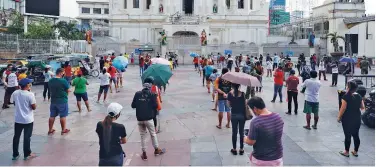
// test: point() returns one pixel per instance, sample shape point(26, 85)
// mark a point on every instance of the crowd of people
point(266, 127)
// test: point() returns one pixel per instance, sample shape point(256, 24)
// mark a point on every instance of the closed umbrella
point(160, 73)
point(242, 79)
point(161, 61)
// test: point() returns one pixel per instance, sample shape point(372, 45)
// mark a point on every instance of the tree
point(334, 40)
point(42, 29)
point(69, 30)
point(16, 25)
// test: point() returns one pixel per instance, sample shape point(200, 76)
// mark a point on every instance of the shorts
point(69, 79)
point(59, 109)
point(81, 95)
point(196, 65)
point(113, 79)
point(119, 75)
point(311, 107)
point(223, 106)
point(103, 88)
point(214, 90)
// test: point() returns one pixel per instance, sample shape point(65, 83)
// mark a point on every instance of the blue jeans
point(277, 89)
point(141, 70)
point(112, 161)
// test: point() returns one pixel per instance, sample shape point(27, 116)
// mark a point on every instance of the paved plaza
point(188, 129)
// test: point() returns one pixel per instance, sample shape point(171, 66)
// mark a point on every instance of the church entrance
point(188, 6)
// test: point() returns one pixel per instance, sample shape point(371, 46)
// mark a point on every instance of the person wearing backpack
point(145, 103)
point(10, 81)
point(79, 84)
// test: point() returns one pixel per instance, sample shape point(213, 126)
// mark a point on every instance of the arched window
point(240, 4)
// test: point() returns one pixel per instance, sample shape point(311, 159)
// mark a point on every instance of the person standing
point(265, 135)
point(237, 101)
point(25, 103)
point(275, 61)
point(261, 58)
point(349, 114)
point(101, 63)
point(59, 88)
point(292, 83)
point(79, 84)
point(195, 62)
point(112, 71)
point(147, 62)
point(311, 104)
point(259, 70)
point(364, 65)
point(47, 76)
point(68, 72)
point(111, 136)
point(334, 73)
point(10, 82)
point(22, 73)
point(212, 78)
point(278, 84)
point(230, 62)
point(208, 71)
point(145, 103)
point(104, 84)
point(269, 67)
point(223, 87)
point(322, 70)
point(141, 64)
point(305, 74)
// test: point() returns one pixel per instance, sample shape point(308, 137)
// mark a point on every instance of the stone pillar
point(163, 50)
point(222, 7)
point(203, 51)
point(233, 6)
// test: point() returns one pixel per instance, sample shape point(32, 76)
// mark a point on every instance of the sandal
point(307, 127)
point(51, 132)
point(314, 127)
point(227, 126)
point(355, 154)
point(219, 127)
point(241, 152)
point(234, 152)
point(344, 154)
point(65, 131)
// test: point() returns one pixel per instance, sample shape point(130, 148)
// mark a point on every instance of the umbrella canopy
point(120, 62)
point(193, 54)
point(242, 79)
point(160, 73)
point(161, 61)
point(347, 60)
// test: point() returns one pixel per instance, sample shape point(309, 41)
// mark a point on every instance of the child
point(269, 67)
point(214, 77)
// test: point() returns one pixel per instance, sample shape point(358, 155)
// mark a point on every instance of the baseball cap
point(114, 109)
point(25, 81)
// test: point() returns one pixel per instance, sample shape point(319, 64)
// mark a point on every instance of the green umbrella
point(161, 74)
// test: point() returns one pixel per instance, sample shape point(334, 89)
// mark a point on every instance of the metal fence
point(16, 44)
point(292, 49)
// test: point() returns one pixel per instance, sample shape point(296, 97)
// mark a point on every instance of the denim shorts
point(113, 79)
point(59, 110)
point(81, 95)
point(103, 88)
point(223, 106)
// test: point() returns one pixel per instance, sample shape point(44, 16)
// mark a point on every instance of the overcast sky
point(69, 8)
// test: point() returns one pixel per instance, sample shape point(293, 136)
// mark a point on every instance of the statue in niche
point(160, 8)
point(204, 41)
point(215, 8)
point(163, 37)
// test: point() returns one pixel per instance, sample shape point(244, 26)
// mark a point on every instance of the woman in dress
point(349, 114)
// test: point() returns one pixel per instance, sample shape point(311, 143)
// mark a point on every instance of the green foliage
point(334, 40)
point(69, 30)
point(16, 23)
point(42, 29)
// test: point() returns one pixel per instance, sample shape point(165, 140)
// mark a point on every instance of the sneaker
point(273, 101)
point(159, 151)
point(16, 157)
point(144, 156)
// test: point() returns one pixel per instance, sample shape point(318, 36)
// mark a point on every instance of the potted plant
point(334, 37)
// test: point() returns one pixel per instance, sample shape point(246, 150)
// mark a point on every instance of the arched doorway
point(186, 38)
point(184, 42)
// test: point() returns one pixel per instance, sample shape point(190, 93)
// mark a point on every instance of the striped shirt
point(267, 131)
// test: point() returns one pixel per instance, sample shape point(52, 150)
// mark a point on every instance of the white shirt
point(23, 100)
point(335, 70)
point(312, 89)
point(12, 80)
point(269, 65)
point(105, 78)
point(321, 66)
point(48, 76)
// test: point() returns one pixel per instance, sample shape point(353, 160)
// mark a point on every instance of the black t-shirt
point(225, 86)
point(352, 111)
point(237, 105)
point(117, 132)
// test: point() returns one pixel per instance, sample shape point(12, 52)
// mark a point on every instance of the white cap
point(114, 109)
point(48, 66)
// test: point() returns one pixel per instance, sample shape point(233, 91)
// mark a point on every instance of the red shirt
point(141, 62)
point(113, 57)
point(195, 60)
point(292, 83)
point(112, 71)
point(278, 77)
point(68, 71)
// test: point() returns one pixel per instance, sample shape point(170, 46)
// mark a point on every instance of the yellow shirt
point(171, 65)
point(106, 65)
point(22, 76)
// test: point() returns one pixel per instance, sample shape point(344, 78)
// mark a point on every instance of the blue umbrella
point(192, 54)
point(347, 60)
point(120, 62)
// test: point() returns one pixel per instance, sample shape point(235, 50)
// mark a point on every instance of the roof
point(352, 20)
point(92, 1)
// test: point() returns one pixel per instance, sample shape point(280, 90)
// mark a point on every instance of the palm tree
point(334, 40)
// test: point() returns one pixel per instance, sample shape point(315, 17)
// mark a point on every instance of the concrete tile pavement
point(188, 129)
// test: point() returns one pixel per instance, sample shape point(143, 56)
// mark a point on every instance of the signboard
point(227, 52)
point(43, 7)
point(145, 49)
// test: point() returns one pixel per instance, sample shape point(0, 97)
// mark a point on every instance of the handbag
point(247, 111)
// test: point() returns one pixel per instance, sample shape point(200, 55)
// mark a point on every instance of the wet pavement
point(188, 129)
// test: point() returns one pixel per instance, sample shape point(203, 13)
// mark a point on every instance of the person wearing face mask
point(10, 82)
point(25, 103)
point(265, 135)
point(111, 136)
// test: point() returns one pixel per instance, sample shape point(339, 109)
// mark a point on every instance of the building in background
point(296, 15)
point(93, 14)
point(277, 13)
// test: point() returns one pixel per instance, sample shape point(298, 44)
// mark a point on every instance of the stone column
point(233, 6)
point(222, 7)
